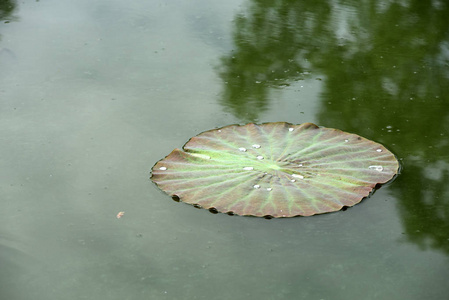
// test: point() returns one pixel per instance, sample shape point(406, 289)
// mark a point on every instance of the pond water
point(93, 93)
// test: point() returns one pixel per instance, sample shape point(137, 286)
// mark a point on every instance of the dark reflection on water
point(424, 205)
point(271, 50)
point(385, 72)
point(390, 82)
point(7, 7)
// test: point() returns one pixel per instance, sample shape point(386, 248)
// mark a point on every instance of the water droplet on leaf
point(162, 168)
point(248, 168)
point(298, 176)
point(377, 168)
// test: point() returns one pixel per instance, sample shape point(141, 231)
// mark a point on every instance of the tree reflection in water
point(385, 66)
point(7, 7)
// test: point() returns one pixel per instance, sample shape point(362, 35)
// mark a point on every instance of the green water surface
point(93, 93)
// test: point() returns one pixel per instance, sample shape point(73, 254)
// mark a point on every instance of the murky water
point(93, 93)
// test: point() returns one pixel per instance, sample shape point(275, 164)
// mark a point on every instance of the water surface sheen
point(93, 93)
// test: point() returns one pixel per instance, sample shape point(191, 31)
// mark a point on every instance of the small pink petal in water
point(120, 214)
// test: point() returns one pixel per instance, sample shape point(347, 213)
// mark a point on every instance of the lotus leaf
point(275, 170)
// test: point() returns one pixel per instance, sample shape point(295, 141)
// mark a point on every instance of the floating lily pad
point(274, 170)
